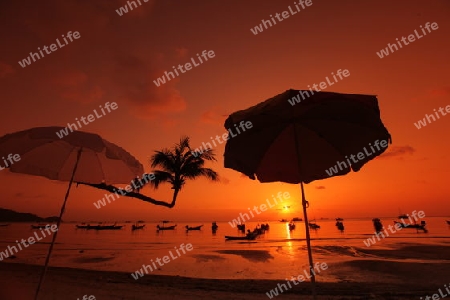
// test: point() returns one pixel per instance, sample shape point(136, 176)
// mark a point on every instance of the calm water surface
point(276, 255)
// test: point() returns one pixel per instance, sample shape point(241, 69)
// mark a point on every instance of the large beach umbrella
point(299, 137)
point(76, 157)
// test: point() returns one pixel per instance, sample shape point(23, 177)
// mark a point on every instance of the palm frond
point(193, 173)
point(208, 154)
point(179, 163)
point(161, 177)
point(192, 163)
point(210, 174)
point(164, 159)
point(184, 144)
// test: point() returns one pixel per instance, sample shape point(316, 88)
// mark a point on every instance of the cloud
point(109, 61)
point(133, 81)
point(398, 151)
point(75, 86)
point(320, 187)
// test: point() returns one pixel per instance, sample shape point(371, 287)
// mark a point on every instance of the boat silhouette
point(193, 228)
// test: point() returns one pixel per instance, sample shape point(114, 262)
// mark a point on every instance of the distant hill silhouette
point(7, 215)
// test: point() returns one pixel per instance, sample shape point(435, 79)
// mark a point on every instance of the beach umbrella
point(301, 136)
point(76, 157)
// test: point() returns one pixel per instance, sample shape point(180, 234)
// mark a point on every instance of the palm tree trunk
point(174, 199)
point(113, 189)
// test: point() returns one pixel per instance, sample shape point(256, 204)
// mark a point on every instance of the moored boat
point(265, 226)
point(82, 226)
point(108, 227)
point(214, 227)
point(313, 225)
point(291, 226)
point(448, 222)
point(40, 226)
point(166, 228)
point(340, 226)
point(420, 226)
point(377, 225)
point(251, 235)
point(415, 225)
point(241, 227)
point(137, 226)
point(248, 238)
point(163, 227)
point(99, 227)
point(194, 228)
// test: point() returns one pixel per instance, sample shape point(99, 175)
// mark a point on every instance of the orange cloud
point(76, 86)
point(117, 67)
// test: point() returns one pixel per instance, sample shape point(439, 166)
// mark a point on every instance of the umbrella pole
point(308, 243)
point(305, 205)
point(63, 207)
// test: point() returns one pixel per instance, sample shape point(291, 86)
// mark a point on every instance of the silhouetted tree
point(176, 165)
point(180, 164)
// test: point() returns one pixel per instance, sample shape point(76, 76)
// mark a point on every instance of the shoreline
point(19, 281)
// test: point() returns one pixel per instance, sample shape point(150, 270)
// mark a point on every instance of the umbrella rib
point(50, 142)
point(101, 169)
point(76, 148)
point(22, 154)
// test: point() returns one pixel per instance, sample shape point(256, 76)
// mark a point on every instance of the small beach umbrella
point(298, 137)
point(76, 157)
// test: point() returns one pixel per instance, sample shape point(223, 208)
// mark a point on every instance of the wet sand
point(392, 280)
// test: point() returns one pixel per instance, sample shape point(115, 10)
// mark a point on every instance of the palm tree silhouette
point(180, 164)
point(177, 164)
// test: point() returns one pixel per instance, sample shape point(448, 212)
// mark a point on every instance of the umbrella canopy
point(78, 156)
point(298, 143)
point(43, 153)
point(295, 140)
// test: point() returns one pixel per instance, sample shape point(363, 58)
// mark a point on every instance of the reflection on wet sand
point(251, 255)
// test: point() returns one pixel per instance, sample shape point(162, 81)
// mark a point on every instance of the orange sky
point(118, 57)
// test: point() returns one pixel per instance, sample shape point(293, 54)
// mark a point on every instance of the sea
point(277, 254)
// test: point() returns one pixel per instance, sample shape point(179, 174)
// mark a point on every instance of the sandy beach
point(388, 280)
